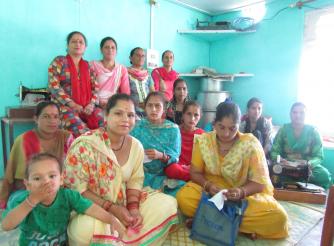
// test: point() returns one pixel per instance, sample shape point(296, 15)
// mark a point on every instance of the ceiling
point(215, 7)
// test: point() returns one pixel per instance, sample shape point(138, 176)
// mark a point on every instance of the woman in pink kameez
point(111, 76)
point(165, 76)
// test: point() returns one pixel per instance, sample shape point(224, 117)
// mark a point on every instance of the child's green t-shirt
point(48, 225)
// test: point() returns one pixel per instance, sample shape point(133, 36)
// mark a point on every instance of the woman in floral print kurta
point(106, 166)
point(73, 87)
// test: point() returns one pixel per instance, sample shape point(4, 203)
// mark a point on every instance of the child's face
point(191, 117)
point(44, 172)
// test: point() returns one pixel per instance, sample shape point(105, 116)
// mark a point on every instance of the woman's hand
point(234, 194)
point(103, 104)
point(76, 107)
point(89, 109)
point(123, 214)
point(212, 189)
point(117, 226)
point(138, 219)
point(162, 85)
point(153, 154)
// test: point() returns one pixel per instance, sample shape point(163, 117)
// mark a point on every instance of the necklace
point(225, 147)
point(121, 145)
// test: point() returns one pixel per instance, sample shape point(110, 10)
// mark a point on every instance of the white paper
point(146, 159)
point(219, 199)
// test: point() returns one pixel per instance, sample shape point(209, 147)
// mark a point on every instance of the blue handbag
point(217, 228)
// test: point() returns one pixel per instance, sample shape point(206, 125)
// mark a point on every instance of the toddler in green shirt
point(43, 210)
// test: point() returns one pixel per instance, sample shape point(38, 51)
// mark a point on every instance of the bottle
point(278, 160)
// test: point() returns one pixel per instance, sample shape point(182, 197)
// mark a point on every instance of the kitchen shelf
point(228, 76)
point(211, 35)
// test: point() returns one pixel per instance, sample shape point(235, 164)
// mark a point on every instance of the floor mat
point(303, 219)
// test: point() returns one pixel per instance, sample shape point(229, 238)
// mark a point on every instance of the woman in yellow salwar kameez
point(106, 166)
point(228, 159)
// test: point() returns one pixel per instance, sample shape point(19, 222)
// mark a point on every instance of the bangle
point(32, 205)
point(206, 183)
point(244, 193)
point(132, 205)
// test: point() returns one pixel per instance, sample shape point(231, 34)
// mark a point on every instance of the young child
point(191, 115)
point(43, 210)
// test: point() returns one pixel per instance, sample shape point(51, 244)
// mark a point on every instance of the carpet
point(303, 218)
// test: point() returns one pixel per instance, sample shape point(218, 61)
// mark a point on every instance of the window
point(316, 74)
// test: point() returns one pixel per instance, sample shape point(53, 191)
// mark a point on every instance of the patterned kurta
point(92, 165)
point(244, 162)
point(60, 88)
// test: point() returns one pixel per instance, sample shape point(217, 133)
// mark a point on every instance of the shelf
point(211, 35)
point(223, 77)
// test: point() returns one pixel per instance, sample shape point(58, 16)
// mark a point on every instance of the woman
point(299, 141)
point(73, 87)
point(256, 124)
point(180, 97)
point(111, 77)
point(140, 80)
point(106, 166)
point(47, 137)
point(228, 159)
point(165, 76)
point(190, 116)
point(162, 143)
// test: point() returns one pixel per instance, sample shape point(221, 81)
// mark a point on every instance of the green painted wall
point(33, 32)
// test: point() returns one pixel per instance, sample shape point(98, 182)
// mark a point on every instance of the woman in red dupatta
point(46, 137)
point(73, 87)
point(165, 76)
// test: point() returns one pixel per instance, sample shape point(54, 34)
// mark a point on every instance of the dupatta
point(80, 82)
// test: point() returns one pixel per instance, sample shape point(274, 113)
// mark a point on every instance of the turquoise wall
point(33, 32)
point(272, 53)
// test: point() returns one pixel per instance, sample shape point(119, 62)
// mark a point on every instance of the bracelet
point(132, 205)
point(30, 203)
point(206, 183)
point(244, 192)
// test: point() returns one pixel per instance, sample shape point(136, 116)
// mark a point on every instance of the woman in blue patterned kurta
point(161, 140)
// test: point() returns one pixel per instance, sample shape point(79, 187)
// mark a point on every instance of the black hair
point(132, 52)
point(41, 157)
point(42, 105)
point(115, 98)
point(228, 109)
point(189, 104)
point(297, 104)
point(70, 35)
point(164, 53)
point(252, 101)
point(107, 39)
point(156, 94)
point(176, 82)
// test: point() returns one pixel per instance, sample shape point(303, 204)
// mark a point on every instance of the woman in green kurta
point(298, 141)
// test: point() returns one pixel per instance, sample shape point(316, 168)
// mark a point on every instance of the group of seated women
point(135, 169)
